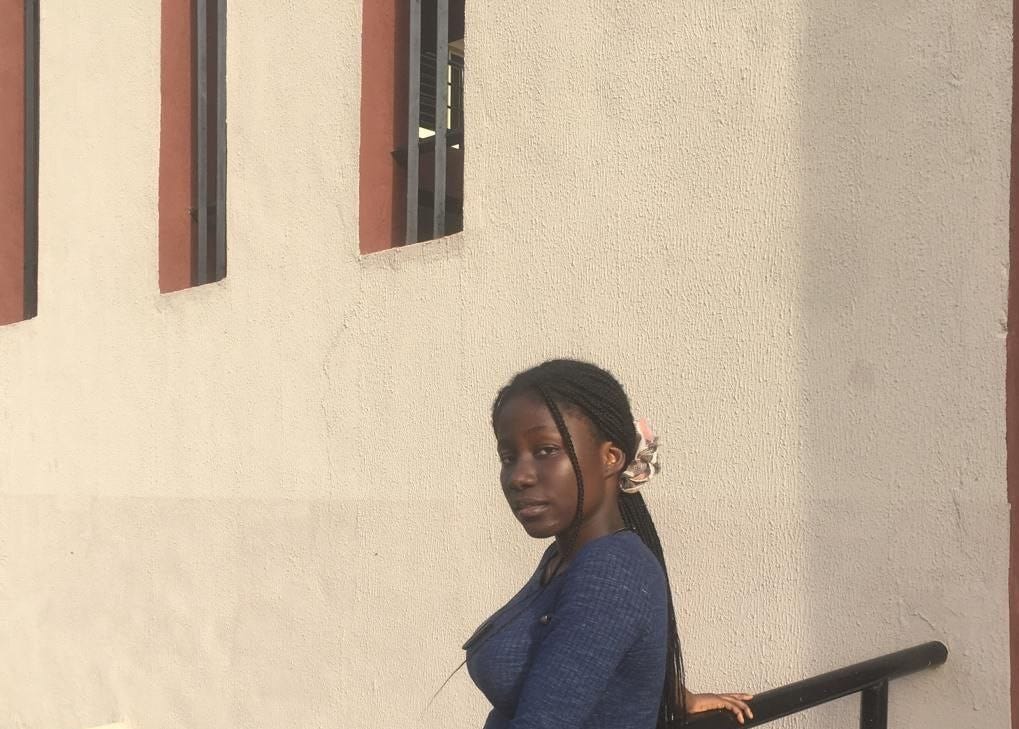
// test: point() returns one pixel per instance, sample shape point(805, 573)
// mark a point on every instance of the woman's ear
point(612, 458)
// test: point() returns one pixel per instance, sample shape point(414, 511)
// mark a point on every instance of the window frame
point(403, 171)
point(193, 144)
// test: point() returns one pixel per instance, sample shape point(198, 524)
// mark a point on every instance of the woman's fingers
point(738, 706)
point(735, 710)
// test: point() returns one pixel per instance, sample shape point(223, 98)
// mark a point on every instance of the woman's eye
point(505, 458)
point(547, 450)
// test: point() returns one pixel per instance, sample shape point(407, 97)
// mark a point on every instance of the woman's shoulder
point(624, 544)
point(621, 557)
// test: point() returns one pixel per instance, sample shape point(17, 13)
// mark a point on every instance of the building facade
point(271, 500)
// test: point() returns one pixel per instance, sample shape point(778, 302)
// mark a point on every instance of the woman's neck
point(589, 531)
point(598, 525)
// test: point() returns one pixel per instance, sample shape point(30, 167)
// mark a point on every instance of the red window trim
point(14, 224)
point(384, 64)
point(176, 147)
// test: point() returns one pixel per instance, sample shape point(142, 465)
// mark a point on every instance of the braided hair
point(583, 388)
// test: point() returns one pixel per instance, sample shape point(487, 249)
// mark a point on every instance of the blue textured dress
point(585, 651)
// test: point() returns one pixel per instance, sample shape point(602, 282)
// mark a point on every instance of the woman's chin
point(539, 530)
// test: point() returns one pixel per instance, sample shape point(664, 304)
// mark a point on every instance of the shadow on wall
point(904, 192)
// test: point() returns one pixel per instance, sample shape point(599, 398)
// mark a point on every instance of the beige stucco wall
point(272, 501)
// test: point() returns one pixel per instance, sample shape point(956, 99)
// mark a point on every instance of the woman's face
point(537, 476)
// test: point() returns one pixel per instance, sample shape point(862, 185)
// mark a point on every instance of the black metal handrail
point(869, 679)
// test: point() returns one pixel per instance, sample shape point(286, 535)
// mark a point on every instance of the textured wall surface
point(272, 501)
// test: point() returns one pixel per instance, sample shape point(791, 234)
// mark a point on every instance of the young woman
point(590, 642)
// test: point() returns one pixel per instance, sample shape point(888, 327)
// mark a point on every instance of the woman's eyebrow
point(501, 441)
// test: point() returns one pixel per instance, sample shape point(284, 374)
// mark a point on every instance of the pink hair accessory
point(645, 463)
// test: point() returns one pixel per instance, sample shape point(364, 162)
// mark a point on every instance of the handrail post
point(874, 706)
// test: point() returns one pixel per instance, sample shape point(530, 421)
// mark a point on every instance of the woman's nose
point(522, 475)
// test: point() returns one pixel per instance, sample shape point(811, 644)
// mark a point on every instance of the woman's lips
point(530, 511)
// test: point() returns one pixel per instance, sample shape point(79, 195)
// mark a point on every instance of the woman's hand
point(736, 703)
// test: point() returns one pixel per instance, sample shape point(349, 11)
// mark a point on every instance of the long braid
point(596, 394)
point(637, 517)
point(571, 451)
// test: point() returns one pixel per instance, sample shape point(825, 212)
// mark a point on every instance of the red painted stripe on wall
point(176, 146)
point(384, 67)
point(12, 161)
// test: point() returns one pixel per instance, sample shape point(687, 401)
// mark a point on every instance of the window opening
point(435, 124)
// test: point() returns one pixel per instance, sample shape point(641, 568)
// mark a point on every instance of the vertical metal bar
point(441, 89)
point(413, 121)
point(31, 159)
point(874, 707)
point(201, 267)
point(220, 241)
point(456, 91)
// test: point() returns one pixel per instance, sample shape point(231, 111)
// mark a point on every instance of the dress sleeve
point(602, 609)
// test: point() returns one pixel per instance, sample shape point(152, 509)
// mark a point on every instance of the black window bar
point(209, 261)
point(869, 679)
point(435, 102)
point(413, 114)
point(31, 160)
